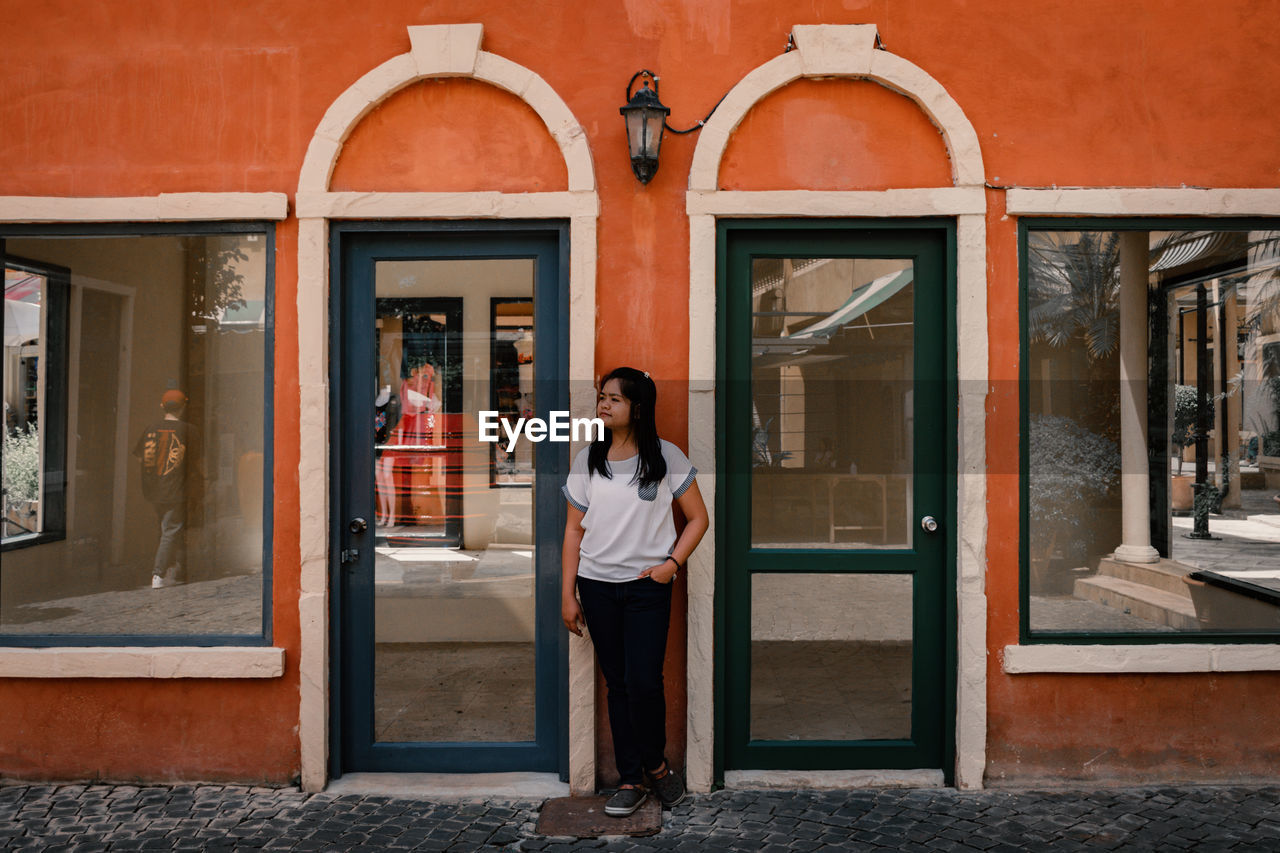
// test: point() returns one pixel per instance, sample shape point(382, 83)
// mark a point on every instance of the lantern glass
point(636, 128)
point(653, 122)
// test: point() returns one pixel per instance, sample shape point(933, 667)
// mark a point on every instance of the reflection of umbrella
point(21, 322)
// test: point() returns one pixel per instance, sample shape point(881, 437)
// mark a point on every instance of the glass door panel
point(453, 575)
point(830, 657)
point(831, 389)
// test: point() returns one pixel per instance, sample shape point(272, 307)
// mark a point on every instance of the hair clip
point(646, 374)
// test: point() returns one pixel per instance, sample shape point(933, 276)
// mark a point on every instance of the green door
point(835, 497)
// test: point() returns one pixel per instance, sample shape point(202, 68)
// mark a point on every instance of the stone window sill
point(1018, 660)
point(143, 662)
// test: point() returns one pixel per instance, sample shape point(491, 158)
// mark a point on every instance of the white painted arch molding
point(839, 51)
point(446, 50)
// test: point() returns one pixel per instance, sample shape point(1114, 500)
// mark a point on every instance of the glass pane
point(832, 347)
point(1211, 413)
point(165, 381)
point(830, 657)
point(454, 570)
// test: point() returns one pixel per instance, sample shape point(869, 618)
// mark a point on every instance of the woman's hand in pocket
point(661, 573)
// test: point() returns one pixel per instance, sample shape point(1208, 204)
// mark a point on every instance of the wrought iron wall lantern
point(646, 119)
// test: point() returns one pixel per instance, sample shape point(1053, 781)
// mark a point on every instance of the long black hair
point(642, 394)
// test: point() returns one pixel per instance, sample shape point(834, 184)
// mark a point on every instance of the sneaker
point(625, 802)
point(157, 582)
point(669, 787)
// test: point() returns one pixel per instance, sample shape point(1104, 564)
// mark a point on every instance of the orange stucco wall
point(149, 97)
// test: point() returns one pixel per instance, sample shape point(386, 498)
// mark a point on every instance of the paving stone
point(209, 817)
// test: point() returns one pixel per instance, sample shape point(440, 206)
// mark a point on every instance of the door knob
point(358, 525)
point(929, 524)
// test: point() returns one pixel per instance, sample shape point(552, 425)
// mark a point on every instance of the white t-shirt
point(626, 530)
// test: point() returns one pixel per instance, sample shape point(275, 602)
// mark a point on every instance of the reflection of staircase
point(1151, 591)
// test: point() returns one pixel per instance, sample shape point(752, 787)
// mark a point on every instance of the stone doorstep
point(1145, 602)
point(584, 817)
point(452, 787)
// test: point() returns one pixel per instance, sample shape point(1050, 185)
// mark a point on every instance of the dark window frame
point(1026, 226)
point(204, 228)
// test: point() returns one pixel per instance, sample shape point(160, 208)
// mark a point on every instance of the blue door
point(449, 654)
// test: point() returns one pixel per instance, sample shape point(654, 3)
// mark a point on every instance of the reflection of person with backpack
point(165, 448)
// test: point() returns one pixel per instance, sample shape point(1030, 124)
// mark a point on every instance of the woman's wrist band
point(677, 562)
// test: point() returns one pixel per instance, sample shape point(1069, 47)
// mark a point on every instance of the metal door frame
point(356, 242)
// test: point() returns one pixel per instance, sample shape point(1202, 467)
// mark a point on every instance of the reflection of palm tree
point(1074, 290)
point(1073, 297)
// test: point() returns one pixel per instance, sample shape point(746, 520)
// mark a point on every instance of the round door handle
point(358, 525)
point(929, 524)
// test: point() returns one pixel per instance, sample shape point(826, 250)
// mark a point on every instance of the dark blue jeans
point(628, 624)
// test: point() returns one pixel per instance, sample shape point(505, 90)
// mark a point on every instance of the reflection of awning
point(21, 322)
point(244, 315)
point(805, 346)
point(1186, 247)
point(862, 300)
point(22, 285)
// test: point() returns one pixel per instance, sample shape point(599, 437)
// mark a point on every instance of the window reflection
point(163, 417)
point(832, 355)
point(1212, 331)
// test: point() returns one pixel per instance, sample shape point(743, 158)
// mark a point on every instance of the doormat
point(584, 817)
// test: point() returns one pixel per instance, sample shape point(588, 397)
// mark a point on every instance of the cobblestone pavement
point(107, 817)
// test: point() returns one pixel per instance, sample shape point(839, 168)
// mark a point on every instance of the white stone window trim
point(143, 661)
point(478, 205)
point(165, 207)
point(1189, 656)
point(1143, 201)
point(437, 51)
point(1133, 659)
point(825, 51)
point(930, 201)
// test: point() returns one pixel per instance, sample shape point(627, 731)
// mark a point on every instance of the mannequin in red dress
point(419, 425)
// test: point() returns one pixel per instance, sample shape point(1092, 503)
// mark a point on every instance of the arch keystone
point(831, 49)
point(446, 50)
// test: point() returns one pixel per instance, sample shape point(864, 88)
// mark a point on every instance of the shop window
point(1202, 425)
point(136, 379)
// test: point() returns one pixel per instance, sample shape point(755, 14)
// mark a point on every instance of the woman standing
point(621, 553)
